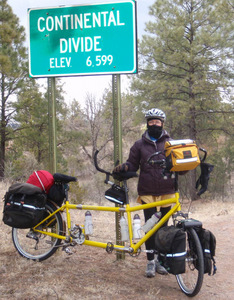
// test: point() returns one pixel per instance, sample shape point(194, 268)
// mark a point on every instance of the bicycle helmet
point(155, 113)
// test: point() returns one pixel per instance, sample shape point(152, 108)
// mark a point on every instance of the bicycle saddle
point(63, 178)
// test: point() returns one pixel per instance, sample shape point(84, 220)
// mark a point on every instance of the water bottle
point(88, 225)
point(136, 227)
point(151, 222)
point(124, 229)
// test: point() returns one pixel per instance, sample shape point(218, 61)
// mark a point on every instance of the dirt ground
point(91, 273)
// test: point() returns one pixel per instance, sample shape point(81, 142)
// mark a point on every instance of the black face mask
point(154, 131)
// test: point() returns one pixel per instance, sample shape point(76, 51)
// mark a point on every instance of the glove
point(203, 180)
point(121, 168)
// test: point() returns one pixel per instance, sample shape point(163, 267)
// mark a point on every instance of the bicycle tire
point(37, 246)
point(191, 281)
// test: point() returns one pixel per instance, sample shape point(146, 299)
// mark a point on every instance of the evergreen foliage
point(13, 72)
point(186, 69)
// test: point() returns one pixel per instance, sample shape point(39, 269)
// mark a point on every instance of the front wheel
point(38, 246)
point(190, 282)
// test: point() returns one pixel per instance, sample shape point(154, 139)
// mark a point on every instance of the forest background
point(185, 68)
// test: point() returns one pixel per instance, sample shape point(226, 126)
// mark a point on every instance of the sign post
point(118, 156)
point(52, 125)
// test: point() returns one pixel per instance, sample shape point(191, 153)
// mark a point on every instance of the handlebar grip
point(120, 176)
point(95, 159)
point(205, 154)
point(159, 162)
point(96, 164)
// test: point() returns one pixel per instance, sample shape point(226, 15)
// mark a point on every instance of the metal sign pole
point(52, 126)
point(117, 125)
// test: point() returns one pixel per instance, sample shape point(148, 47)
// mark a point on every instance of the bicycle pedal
point(32, 235)
point(68, 250)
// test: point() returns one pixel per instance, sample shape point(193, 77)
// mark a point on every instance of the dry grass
point(90, 273)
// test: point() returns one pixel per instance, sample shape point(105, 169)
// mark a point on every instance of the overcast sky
point(78, 87)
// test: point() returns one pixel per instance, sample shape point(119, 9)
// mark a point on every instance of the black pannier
point(208, 243)
point(24, 205)
point(170, 243)
point(57, 193)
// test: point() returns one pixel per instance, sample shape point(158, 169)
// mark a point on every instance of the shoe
point(150, 269)
point(160, 269)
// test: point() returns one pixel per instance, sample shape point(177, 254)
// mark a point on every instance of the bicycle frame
point(133, 248)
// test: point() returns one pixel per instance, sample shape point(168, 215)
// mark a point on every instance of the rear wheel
point(190, 282)
point(38, 246)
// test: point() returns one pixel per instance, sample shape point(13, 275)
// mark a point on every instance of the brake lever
point(156, 153)
point(161, 162)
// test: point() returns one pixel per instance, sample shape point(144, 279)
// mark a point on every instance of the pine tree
point(32, 133)
point(12, 72)
point(186, 67)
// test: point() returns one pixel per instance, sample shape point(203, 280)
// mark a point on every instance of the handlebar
point(162, 162)
point(120, 176)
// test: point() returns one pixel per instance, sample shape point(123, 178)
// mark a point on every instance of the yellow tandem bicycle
point(42, 241)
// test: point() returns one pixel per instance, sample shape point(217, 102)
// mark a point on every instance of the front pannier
point(24, 206)
point(208, 243)
point(170, 243)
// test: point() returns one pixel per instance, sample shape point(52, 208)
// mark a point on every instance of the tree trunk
point(2, 133)
point(193, 136)
point(192, 127)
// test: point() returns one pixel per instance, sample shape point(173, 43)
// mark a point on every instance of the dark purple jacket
point(151, 181)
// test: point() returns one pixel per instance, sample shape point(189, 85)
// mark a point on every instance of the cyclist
point(152, 186)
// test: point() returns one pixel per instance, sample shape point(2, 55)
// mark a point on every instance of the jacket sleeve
point(134, 158)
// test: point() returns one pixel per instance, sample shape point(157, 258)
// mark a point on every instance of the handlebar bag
point(181, 155)
point(24, 206)
point(116, 195)
point(170, 243)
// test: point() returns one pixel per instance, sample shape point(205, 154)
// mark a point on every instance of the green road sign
point(83, 39)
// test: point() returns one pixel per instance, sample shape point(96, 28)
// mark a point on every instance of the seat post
point(176, 182)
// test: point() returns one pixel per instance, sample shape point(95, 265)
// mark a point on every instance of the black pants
point(150, 243)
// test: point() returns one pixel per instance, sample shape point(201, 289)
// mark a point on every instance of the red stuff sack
point(43, 179)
